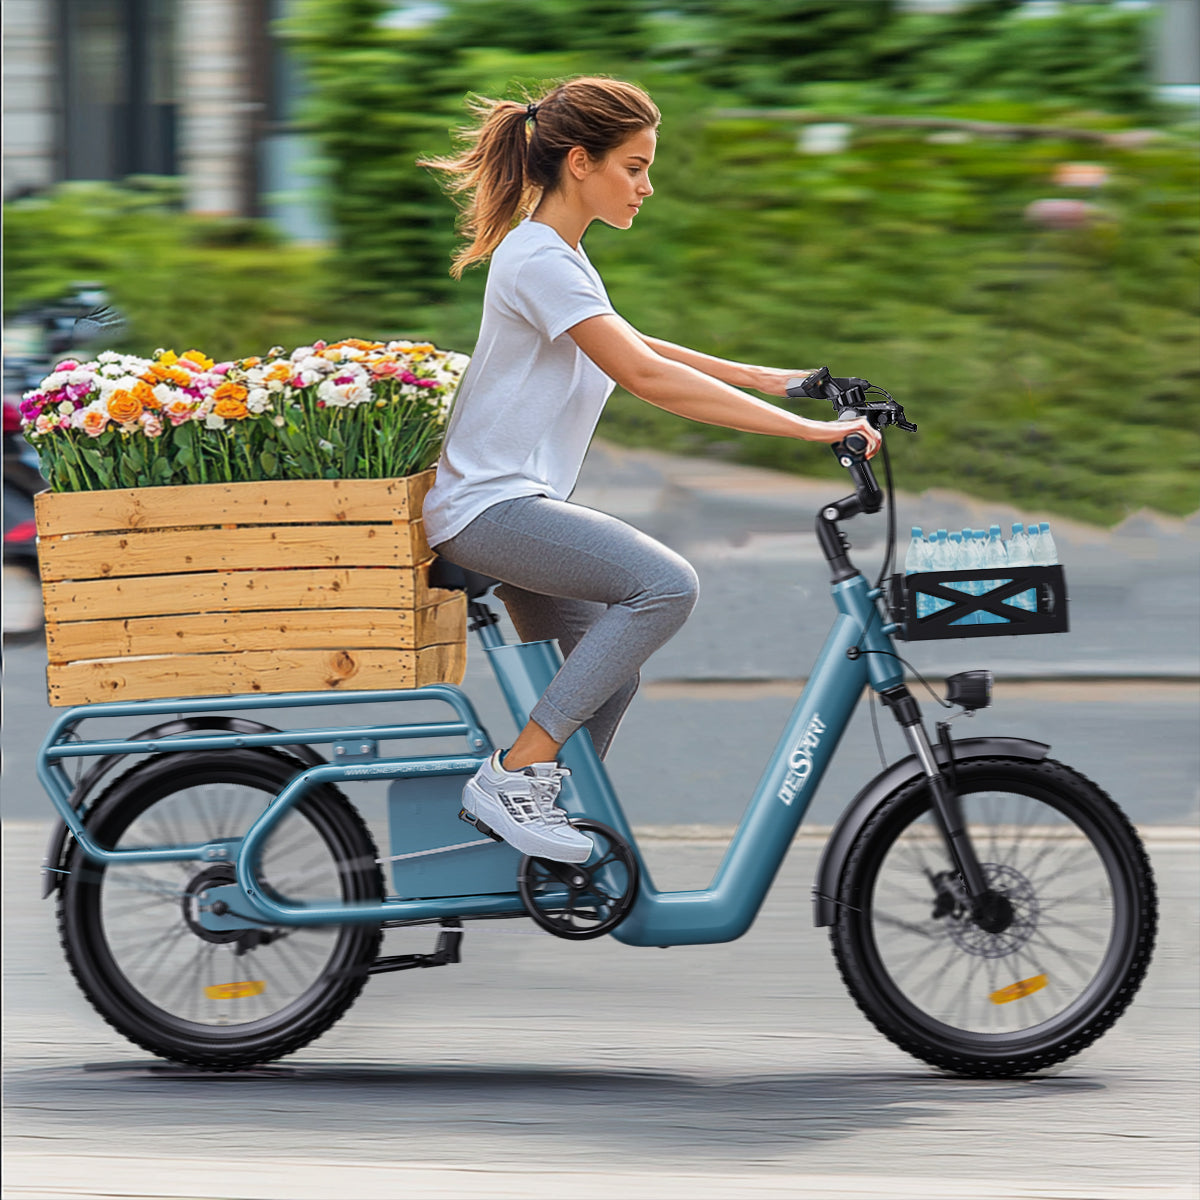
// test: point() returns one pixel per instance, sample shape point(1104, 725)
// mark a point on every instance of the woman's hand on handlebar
point(837, 431)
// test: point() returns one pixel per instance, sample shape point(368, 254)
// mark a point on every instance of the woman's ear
point(579, 162)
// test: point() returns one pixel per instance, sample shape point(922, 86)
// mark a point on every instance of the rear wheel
point(1051, 959)
point(217, 999)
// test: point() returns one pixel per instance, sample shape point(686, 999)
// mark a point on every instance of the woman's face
point(615, 187)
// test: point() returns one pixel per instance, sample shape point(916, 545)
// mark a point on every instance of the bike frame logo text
point(800, 762)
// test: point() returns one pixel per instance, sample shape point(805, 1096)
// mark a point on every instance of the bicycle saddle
point(445, 574)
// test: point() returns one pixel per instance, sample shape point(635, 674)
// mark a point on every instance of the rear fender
point(52, 864)
point(864, 805)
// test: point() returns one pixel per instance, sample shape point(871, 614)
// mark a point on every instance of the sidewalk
point(764, 608)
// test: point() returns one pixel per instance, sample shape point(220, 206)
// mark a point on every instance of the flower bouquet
point(347, 410)
point(249, 526)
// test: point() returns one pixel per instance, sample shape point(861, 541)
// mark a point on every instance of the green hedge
point(1056, 367)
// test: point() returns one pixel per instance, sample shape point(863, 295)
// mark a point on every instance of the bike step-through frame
point(858, 651)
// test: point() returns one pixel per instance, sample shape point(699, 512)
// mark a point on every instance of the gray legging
point(607, 592)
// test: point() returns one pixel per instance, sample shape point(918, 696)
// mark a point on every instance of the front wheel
point(218, 999)
point(1051, 959)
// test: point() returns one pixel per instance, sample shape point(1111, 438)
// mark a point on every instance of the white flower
point(212, 421)
point(276, 385)
point(66, 407)
point(164, 393)
point(315, 363)
point(326, 446)
point(258, 400)
point(278, 421)
point(301, 352)
point(108, 356)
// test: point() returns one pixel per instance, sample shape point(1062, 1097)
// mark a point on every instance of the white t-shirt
point(529, 402)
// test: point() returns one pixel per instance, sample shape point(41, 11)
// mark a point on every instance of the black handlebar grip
point(855, 443)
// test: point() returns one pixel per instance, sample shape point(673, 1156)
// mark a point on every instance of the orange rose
point(280, 371)
point(230, 409)
point(94, 422)
point(247, 363)
point(230, 391)
point(145, 393)
point(124, 406)
point(158, 373)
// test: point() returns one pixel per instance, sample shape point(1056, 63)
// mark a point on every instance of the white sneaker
point(519, 807)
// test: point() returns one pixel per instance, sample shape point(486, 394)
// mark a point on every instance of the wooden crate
point(224, 589)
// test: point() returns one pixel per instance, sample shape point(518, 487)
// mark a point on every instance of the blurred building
point(200, 89)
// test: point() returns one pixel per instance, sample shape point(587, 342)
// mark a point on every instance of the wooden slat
point(277, 502)
point(264, 671)
point(172, 551)
point(210, 633)
point(238, 591)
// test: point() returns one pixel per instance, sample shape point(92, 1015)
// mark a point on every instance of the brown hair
point(515, 152)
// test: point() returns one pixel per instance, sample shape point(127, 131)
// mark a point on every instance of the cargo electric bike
point(221, 903)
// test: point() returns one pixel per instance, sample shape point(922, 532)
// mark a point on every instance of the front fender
point(52, 872)
point(863, 807)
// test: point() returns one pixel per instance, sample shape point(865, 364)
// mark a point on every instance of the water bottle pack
point(946, 568)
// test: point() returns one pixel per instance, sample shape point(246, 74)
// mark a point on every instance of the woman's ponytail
point(515, 152)
point(491, 171)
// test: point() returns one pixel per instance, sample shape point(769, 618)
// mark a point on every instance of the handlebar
point(849, 399)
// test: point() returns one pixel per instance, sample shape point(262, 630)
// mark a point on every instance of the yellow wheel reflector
point(236, 991)
point(1018, 990)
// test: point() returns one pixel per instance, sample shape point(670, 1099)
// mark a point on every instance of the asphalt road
point(538, 1068)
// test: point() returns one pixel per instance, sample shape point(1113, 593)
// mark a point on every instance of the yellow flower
point(199, 361)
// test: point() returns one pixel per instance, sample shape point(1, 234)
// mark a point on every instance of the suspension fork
point(945, 797)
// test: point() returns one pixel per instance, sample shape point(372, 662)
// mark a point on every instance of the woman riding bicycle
point(550, 349)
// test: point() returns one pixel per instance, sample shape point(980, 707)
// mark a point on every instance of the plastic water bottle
point(914, 558)
point(970, 560)
point(1047, 555)
point(915, 561)
point(939, 559)
point(995, 558)
point(1020, 554)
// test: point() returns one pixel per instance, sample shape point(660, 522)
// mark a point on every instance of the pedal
point(483, 827)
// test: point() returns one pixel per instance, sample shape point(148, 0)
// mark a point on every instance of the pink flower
point(220, 369)
point(320, 345)
point(151, 425)
point(67, 364)
point(407, 377)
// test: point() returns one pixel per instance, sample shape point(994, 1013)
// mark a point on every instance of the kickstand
point(447, 950)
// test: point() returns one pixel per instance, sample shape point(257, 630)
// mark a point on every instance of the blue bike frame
point(721, 912)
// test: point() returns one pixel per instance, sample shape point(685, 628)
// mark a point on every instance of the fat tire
point(117, 1000)
point(1123, 967)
